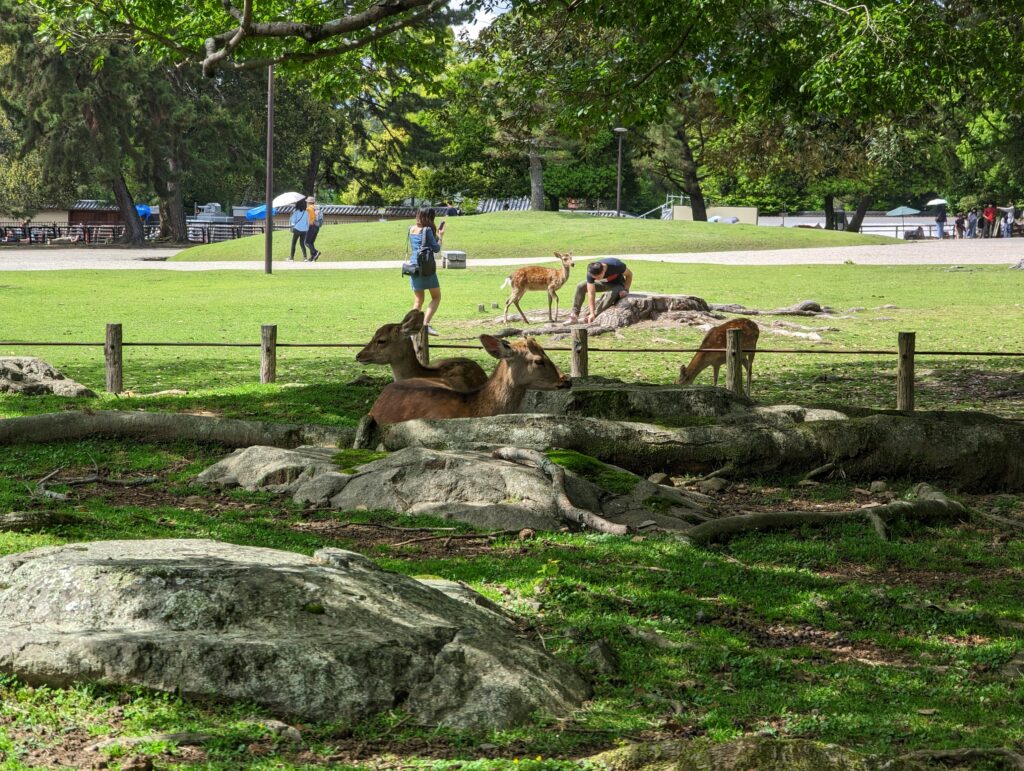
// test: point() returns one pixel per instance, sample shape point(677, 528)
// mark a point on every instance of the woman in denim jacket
point(423, 234)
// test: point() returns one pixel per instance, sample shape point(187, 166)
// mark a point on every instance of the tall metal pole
point(618, 177)
point(268, 235)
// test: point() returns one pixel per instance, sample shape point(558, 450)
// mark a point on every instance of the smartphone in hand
point(440, 228)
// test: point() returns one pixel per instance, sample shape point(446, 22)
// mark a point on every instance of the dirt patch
point(402, 541)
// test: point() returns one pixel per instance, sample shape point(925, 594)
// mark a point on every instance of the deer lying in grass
point(715, 338)
point(537, 279)
point(522, 364)
point(392, 344)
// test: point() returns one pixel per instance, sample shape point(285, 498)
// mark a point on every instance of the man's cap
point(310, 199)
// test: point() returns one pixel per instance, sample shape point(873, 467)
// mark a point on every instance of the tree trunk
point(536, 178)
point(172, 209)
point(691, 178)
point(133, 231)
point(858, 216)
point(168, 427)
point(969, 451)
point(830, 212)
point(316, 150)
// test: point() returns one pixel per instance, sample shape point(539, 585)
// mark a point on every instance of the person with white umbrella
point(940, 216)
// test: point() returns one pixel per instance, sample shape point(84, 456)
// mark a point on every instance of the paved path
point(996, 251)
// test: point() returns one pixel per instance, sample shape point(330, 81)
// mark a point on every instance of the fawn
point(522, 364)
point(392, 344)
point(536, 279)
point(715, 338)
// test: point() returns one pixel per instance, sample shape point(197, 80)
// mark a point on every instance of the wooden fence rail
point(579, 350)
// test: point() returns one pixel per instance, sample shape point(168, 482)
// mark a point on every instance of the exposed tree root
point(930, 505)
point(557, 476)
point(160, 427)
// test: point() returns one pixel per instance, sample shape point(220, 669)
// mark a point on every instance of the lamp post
point(268, 229)
point(618, 177)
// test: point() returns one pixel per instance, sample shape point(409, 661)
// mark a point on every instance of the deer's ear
point(499, 349)
point(413, 322)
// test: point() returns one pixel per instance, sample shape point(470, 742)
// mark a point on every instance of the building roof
point(91, 205)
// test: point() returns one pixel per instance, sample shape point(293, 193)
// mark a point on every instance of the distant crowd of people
point(990, 222)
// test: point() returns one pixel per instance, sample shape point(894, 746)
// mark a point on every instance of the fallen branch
point(450, 536)
point(930, 504)
point(46, 492)
point(556, 474)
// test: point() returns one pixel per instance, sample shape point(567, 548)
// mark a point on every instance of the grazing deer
point(522, 364)
point(715, 338)
point(536, 279)
point(392, 344)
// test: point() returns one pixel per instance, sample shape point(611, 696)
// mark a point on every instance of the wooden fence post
point(579, 365)
point(733, 366)
point(905, 372)
point(268, 353)
point(421, 342)
point(114, 359)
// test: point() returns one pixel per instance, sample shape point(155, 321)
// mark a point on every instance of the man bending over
point(609, 276)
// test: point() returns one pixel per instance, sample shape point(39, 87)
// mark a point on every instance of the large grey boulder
point(31, 377)
point(268, 468)
point(332, 638)
point(465, 485)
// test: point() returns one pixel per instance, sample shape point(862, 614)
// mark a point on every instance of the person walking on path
point(610, 277)
point(959, 225)
point(316, 219)
point(1009, 215)
point(972, 224)
point(300, 225)
point(940, 222)
point(988, 216)
point(421, 235)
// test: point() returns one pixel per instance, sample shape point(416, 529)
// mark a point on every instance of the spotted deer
point(715, 338)
point(537, 279)
point(392, 344)
point(522, 364)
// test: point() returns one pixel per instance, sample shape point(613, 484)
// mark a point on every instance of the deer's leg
point(552, 295)
point(749, 361)
point(714, 368)
point(525, 320)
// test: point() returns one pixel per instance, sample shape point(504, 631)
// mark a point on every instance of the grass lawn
point(537, 234)
point(827, 634)
point(980, 309)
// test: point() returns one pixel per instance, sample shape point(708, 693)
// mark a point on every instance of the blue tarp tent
point(143, 210)
point(258, 213)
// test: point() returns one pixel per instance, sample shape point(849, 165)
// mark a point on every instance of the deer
point(715, 338)
point(537, 279)
point(522, 364)
point(392, 344)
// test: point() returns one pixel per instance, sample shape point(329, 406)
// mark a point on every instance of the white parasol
point(936, 202)
point(288, 198)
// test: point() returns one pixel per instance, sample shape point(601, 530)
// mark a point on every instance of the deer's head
point(391, 340)
point(527, 364)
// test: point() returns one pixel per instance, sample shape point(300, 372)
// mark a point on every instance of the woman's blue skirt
point(422, 283)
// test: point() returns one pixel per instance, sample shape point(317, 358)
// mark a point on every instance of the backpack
point(319, 216)
point(425, 261)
